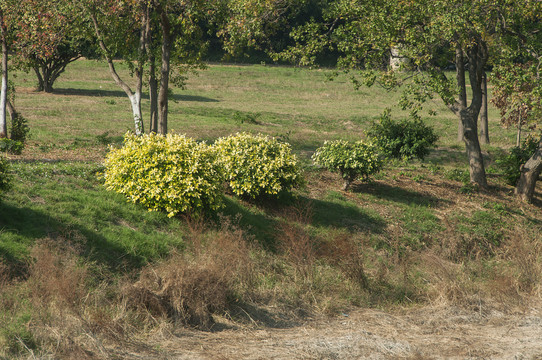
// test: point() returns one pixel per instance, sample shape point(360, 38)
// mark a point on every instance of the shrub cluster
point(510, 163)
point(404, 139)
point(351, 160)
point(257, 165)
point(172, 173)
point(178, 174)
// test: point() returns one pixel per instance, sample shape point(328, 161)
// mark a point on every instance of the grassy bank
point(83, 271)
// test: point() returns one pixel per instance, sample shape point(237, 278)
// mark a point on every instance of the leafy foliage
point(510, 163)
point(257, 165)
point(172, 173)
point(351, 160)
point(5, 176)
point(403, 139)
point(11, 146)
point(19, 128)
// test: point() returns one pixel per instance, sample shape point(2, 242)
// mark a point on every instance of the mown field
point(82, 270)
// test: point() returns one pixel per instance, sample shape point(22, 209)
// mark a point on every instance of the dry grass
point(192, 286)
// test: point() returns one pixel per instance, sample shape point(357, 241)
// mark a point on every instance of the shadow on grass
point(345, 216)
point(399, 195)
point(118, 93)
point(259, 225)
point(452, 156)
point(21, 227)
point(263, 220)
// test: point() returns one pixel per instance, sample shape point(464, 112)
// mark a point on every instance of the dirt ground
point(436, 333)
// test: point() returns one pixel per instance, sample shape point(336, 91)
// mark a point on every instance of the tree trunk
point(4, 88)
point(518, 134)
point(135, 99)
point(153, 97)
point(529, 175)
point(41, 82)
point(153, 84)
point(468, 116)
point(461, 83)
point(478, 55)
point(474, 153)
point(484, 126)
point(164, 72)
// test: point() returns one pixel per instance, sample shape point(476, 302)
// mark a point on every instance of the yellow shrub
point(172, 173)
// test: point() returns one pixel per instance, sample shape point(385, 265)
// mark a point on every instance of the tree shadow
point(25, 226)
point(452, 156)
point(347, 216)
point(264, 223)
point(118, 93)
point(260, 226)
point(398, 194)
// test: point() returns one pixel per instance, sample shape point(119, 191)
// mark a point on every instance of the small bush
point(171, 173)
point(509, 164)
point(257, 165)
point(5, 176)
point(19, 128)
point(351, 160)
point(11, 146)
point(404, 139)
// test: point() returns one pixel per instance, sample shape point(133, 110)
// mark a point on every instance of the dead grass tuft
point(294, 239)
point(56, 276)
point(192, 286)
point(346, 253)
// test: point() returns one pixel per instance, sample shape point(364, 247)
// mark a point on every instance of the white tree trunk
point(135, 101)
point(3, 101)
point(4, 70)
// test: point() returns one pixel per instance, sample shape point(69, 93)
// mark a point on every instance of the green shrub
point(510, 163)
point(11, 146)
point(5, 176)
point(351, 160)
point(19, 128)
point(257, 165)
point(172, 173)
point(404, 139)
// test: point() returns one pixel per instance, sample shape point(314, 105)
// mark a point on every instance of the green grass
point(299, 104)
point(64, 201)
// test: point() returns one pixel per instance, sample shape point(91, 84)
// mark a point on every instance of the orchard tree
point(432, 34)
point(8, 21)
point(116, 25)
point(143, 32)
point(50, 35)
point(518, 84)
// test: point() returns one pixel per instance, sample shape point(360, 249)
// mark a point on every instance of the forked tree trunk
point(135, 98)
point(468, 116)
point(484, 125)
point(164, 72)
point(4, 88)
point(48, 71)
point(530, 172)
